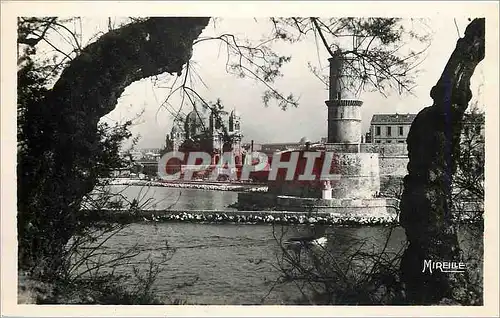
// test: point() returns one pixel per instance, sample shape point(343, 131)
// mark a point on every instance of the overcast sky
point(272, 124)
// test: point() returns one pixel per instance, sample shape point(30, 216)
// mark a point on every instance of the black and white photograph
point(185, 158)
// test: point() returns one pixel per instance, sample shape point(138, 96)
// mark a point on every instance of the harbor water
point(230, 264)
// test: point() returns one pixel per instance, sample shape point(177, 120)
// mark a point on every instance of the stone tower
point(344, 111)
point(359, 170)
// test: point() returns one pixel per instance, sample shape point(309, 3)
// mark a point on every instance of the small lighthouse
point(344, 111)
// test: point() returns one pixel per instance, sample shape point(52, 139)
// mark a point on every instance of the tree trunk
point(57, 169)
point(433, 145)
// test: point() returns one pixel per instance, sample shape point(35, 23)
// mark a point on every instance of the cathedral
point(215, 133)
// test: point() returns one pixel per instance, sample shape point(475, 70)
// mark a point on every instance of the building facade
point(390, 128)
point(216, 132)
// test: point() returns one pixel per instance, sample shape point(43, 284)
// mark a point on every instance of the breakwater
point(245, 217)
point(201, 185)
point(248, 217)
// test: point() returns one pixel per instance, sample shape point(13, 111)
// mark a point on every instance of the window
point(389, 131)
point(388, 141)
point(400, 130)
point(377, 141)
point(401, 141)
point(377, 131)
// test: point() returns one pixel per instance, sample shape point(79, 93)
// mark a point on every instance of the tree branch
point(325, 43)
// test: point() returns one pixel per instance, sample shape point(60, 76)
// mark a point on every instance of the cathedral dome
point(196, 124)
point(195, 118)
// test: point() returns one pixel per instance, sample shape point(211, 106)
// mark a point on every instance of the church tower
point(235, 132)
point(177, 135)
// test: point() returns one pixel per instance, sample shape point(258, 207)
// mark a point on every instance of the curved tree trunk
point(56, 171)
point(433, 144)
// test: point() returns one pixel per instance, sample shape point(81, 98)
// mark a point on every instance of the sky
point(271, 124)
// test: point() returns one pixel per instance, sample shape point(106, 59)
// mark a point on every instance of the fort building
point(390, 128)
point(356, 187)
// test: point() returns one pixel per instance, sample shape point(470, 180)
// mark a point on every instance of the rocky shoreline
point(242, 217)
point(246, 217)
point(284, 218)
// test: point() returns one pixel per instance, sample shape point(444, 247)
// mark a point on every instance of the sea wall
point(365, 207)
point(393, 158)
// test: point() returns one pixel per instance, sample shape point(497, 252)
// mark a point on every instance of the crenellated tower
point(344, 111)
